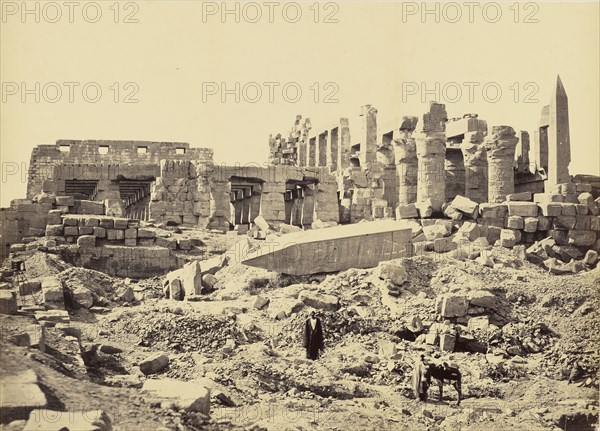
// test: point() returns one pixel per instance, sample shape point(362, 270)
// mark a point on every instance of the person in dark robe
point(313, 336)
point(419, 379)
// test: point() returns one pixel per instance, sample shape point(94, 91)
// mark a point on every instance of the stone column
point(431, 154)
point(308, 205)
point(559, 144)
point(476, 178)
point(272, 203)
point(405, 152)
point(500, 147)
point(322, 148)
point(332, 149)
point(312, 150)
point(343, 144)
point(368, 143)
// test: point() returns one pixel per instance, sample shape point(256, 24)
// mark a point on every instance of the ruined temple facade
point(315, 177)
point(428, 161)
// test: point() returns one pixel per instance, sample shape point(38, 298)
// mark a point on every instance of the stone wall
point(44, 158)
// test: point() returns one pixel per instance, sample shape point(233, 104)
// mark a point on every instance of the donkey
point(442, 373)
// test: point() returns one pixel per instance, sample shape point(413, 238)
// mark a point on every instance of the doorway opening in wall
point(354, 155)
point(135, 195)
point(300, 201)
point(245, 198)
point(82, 189)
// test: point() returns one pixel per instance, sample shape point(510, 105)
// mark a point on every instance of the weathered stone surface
point(425, 208)
point(115, 234)
point(444, 245)
point(54, 230)
point(91, 207)
point(447, 342)
point(145, 233)
point(523, 209)
point(493, 210)
point(530, 224)
point(454, 306)
point(591, 257)
point(483, 298)
point(500, 146)
point(190, 278)
point(523, 196)
point(319, 300)
point(154, 363)
point(188, 396)
point(550, 209)
point(465, 206)
point(564, 222)
point(393, 271)
point(86, 241)
point(50, 420)
point(8, 302)
point(209, 282)
point(514, 222)
point(52, 290)
point(581, 238)
point(509, 237)
point(470, 230)
point(20, 394)
point(406, 211)
point(588, 200)
point(65, 200)
point(261, 302)
point(53, 316)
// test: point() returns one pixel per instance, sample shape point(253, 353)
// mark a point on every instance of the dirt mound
point(44, 265)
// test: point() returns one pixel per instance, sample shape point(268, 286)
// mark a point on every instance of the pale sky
point(383, 54)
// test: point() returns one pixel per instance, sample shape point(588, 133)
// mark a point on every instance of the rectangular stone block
point(584, 222)
point(120, 223)
point(55, 230)
point(568, 209)
point(70, 221)
point(54, 217)
point(115, 234)
point(85, 230)
point(595, 223)
point(92, 222)
point(581, 238)
point(106, 224)
point(544, 223)
point(86, 241)
point(454, 306)
point(547, 197)
point(99, 232)
point(91, 207)
point(71, 231)
point(130, 242)
point(523, 197)
point(65, 200)
point(166, 242)
point(514, 222)
point(130, 233)
point(406, 211)
point(145, 233)
point(550, 209)
point(523, 209)
point(530, 224)
point(447, 342)
point(564, 222)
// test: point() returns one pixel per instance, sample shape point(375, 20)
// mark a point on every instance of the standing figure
point(313, 336)
point(420, 379)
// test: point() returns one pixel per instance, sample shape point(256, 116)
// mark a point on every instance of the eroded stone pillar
point(475, 159)
point(368, 143)
point(407, 168)
point(343, 144)
point(312, 151)
point(431, 154)
point(322, 149)
point(332, 149)
point(500, 147)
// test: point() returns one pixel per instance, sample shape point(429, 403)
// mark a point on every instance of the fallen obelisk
point(333, 249)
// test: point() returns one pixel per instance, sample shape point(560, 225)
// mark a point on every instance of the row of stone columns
point(420, 161)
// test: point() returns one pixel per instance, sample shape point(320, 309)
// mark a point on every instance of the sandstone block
point(564, 222)
point(86, 241)
point(588, 200)
point(52, 316)
point(99, 232)
point(52, 290)
point(530, 224)
point(71, 231)
point(406, 211)
point(514, 222)
point(130, 242)
point(91, 207)
point(115, 234)
point(54, 217)
point(447, 342)
point(184, 396)
point(121, 223)
point(261, 302)
point(209, 281)
point(92, 222)
point(493, 211)
point(425, 208)
point(319, 300)
point(465, 206)
point(509, 237)
point(8, 302)
point(591, 257)
point(568, 209)
point(581, 238)
point(478, 323)
point(21, 394)
point(107, 223)
point(145, 233)
point(85, 230)
point(523, 196)
point(523, 209)
point(470, 231)
point(154, 363)
point(583, 222)
point(454, 306)
point(482, 298)
point(550, 209)
point(54, 230)
point(65, 200)
point(130, 233)
point(184, 244)
point(544, 223)
point(444, 245)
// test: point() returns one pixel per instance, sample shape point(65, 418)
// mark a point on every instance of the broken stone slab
point(125, 294)
point(261, 302)
point(523, 209)
point(581, 238)
point(514, 222)
point(466, 206)
point(319, 301)
point(52, 290)
point(469, 230)
point(523, 197)
point(444, 245)
point(154, 363)
point(408, 211)
point(482, 298)
point(454, 306)
point(50, 420)
point(591, 257)
point(20, 394)
point(189, 278)
point(447, 342)
point(509, 237)
point(451, 212)
point(425, 208)
point(8, 302)
point(209, 283)
point(587, 200)
point(261, 223)
point(393, 271)
point(65, 201)
point(187, 396)
point(338, 248)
